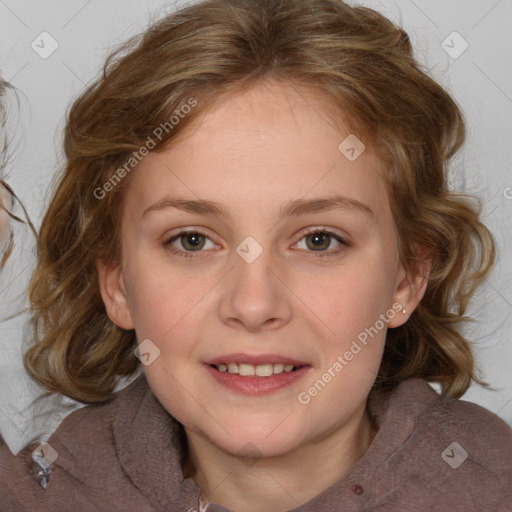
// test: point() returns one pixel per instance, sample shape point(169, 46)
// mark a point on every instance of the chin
point(253, 446)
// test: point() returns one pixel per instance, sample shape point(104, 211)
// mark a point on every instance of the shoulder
point(83, 441)
point(488, 435)
point(450, 416)
point(461, 451)
point(92, 426)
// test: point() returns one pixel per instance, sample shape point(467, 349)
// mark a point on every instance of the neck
point(278, 484)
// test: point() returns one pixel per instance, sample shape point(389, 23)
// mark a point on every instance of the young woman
point(255, 207)
point(6, 194)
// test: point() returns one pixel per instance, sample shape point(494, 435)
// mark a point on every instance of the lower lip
point(257, 385)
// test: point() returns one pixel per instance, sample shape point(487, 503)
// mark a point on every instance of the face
point(281, 274)
point(5, 204)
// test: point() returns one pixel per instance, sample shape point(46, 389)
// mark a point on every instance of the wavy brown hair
point(356, 59)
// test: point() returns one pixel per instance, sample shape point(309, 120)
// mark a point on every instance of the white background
point(480, 79)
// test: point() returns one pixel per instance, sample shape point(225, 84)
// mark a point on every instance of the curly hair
point(363, 65)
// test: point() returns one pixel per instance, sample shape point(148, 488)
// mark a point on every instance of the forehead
point(261, 148)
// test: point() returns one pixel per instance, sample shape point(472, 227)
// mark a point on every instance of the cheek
point(158, 295)
point(4, 230)
point(169, 308)
point(347, 310)
point(4, 218)
point(349, 299)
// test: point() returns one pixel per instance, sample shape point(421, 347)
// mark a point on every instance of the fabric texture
point(429, 454)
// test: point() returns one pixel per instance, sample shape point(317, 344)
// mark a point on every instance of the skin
point(5, 203)
point(254, 153)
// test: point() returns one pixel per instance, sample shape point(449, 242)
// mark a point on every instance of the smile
point(261, 379)
point(260, 370)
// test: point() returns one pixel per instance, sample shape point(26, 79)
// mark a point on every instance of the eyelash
point(317, 254)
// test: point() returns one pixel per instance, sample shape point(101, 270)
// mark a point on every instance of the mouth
point(260, 370)
point(256, 375)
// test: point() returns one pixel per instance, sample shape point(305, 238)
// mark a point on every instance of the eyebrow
point(293, 208)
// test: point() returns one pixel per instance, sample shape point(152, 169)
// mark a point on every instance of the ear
point(113, 292)
point(411, 284)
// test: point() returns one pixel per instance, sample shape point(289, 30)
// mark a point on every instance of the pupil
point(193, 237)
point(319, 237)
point(193, 240)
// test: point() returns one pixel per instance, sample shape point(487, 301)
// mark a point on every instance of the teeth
point(278, 368)
point(246, 370)
point(260, 370)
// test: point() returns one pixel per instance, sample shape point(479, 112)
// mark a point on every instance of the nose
point(255, 296)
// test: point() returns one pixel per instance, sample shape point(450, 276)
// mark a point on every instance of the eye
point(318, 240)
point(191, 241)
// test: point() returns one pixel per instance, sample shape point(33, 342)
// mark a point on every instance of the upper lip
point(256, 359)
